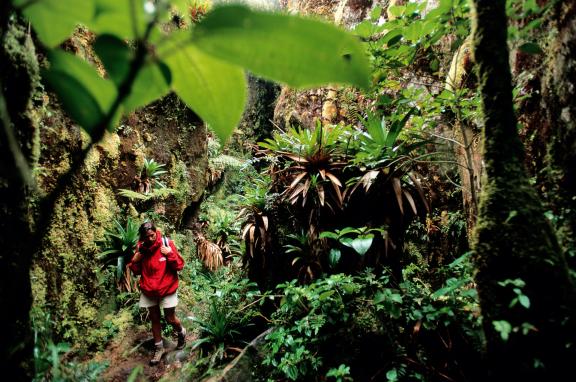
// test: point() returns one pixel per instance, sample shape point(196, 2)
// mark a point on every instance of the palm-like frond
point(152, 169)
point(117, 249)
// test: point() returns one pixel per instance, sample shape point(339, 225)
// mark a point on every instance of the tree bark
point(559, 93)
point(513, 239)
point(18, 78)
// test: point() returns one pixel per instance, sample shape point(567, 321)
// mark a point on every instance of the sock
point(158, 344)
point(183, 331)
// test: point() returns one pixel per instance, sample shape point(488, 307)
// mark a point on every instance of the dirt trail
point(136, 348)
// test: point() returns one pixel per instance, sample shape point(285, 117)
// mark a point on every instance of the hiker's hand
point(165, 250)
point(137, 257)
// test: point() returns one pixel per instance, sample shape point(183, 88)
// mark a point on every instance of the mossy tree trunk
point(18, 78)
point(513, 238)
point(559, 94)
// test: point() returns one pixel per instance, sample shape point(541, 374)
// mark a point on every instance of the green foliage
point(203, 65)
point(152, 169)
point(225, 305)
point(359, 239)
point(117, 250)
point(313, 161)
point(526, 19)
point(411, 33)
point(158, 193)
point(340, 374)
point(330, 312)
point(48, 355)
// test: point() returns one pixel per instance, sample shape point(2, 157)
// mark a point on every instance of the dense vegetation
point(413, 220)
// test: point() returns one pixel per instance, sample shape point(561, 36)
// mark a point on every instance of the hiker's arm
point(175, 261)
point(134, 264)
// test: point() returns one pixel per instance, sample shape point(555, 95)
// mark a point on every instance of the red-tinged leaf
point(420, 190)
point(297, 190)
point(297, 179)
point(334, 179)
point(322, 173)
point(410, 201)
point(321, 194)
point(306, 187)
point(245, 230)
point(296, 158)
point(398, 191)
point(368, 179)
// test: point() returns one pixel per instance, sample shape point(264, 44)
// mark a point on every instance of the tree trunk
point(18, 80)
point(513, 238)
point(559, 93)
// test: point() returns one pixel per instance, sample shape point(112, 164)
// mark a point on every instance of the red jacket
point(159, 273)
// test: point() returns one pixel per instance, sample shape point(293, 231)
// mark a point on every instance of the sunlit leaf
point(122, 18)
point(362, 244)
point(299, 52)
point(524, 301)
point(214, 89)
point(55, 20)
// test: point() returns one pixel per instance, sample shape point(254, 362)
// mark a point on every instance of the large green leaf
point(214, 89)
point(85, 95)
point(123, 18)
point(55, 20)
point(115, 55)
point(299, 52)
point(151, 82)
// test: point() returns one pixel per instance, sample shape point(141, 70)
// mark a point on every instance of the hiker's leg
point(156, 327)
point(170, 316)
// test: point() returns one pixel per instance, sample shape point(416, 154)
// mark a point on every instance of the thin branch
point(446, 139)
point(23, 170)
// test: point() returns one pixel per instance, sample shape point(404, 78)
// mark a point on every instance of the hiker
point(157, 261)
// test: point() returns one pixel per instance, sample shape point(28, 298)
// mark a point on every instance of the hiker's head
point(147, 232)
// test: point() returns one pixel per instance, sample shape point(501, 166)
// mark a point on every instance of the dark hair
point(145, 227)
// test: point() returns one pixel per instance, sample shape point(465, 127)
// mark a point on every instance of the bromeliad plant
point(313, 161)
point(148, 185)
point(386, 161)
point(117, 250)
point(256, 227)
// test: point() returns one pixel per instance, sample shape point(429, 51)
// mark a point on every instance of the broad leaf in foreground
point(297, 51)
point(214, 89)
point(85, 95)
point(44, 13)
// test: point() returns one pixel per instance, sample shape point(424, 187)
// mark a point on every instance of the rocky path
point(135, 350)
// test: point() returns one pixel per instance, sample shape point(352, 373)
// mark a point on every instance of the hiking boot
point(158, 353)
point(181, 339)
